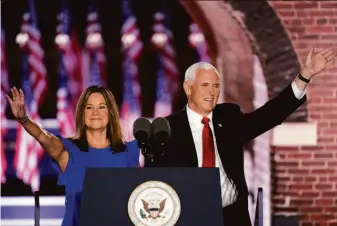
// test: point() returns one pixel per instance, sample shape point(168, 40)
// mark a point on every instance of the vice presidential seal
point(154, 203)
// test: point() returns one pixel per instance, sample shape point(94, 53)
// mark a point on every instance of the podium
point(151, 196)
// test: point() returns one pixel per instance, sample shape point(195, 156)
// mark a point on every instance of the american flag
point(65, 109)
point(168, 74)
point(28, 150)
point(94, 52)
point(75, 74)
point(132, 48)
point(71, 52)
point(4, 89)
point(197, 40)
point(38, 75)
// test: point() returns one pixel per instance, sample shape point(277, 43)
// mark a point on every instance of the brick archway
point(235, 52)
point(237, 30)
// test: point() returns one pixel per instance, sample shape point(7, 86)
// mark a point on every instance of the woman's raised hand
point(17, 104)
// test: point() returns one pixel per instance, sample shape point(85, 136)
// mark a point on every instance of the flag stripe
point(168, 73)
point(132, 48)
point(197, 40)
point(4, 90)
point(95, 49)
point(65, 107)
point(28, 150)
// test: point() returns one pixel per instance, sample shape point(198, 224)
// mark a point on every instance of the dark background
point(111, 20)
point(110, 16)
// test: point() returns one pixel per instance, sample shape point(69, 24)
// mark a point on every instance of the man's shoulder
point(175, 116)
point(219, 108)
point(228, 107)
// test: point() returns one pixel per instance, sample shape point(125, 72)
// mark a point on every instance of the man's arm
point(273, 113)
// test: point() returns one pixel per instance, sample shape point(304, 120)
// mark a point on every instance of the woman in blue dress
point(98, 142)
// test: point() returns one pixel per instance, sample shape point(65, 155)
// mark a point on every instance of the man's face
point(203, 92)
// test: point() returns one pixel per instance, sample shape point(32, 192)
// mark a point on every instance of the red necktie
point(208, 156)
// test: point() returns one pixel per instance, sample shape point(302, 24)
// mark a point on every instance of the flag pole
point(36, 209)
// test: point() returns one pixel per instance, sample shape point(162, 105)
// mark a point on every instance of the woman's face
point(96, 115)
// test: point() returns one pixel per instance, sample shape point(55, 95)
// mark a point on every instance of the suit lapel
point(221, 132)
point(187, 144)
point(187, 150)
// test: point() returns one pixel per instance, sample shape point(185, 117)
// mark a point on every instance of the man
point(207, 134)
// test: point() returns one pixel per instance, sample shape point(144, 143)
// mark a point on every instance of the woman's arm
point(51, 144)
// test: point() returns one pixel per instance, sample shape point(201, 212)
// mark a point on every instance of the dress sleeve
point(133, 153)
point(71, 148)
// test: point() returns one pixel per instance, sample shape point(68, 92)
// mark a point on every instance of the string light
point(22, 39)
point(128, 39)
point(159, 39)
point(196, 38)
point(62, 40)
point(94, 40)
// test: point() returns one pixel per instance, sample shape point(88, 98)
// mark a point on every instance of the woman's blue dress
point(73, 176)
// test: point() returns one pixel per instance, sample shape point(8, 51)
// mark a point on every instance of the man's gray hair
point(192, 70)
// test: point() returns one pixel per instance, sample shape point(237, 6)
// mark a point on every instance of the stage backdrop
point(54, 49)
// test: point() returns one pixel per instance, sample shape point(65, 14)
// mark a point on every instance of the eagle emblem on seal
point(154, 203)
point(154, 208)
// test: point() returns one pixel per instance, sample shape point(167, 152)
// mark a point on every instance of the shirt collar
point(195, 118)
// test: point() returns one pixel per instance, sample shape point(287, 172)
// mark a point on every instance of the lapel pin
point(220, 125)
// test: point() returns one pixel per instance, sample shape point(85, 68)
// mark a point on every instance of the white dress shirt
point(228, 189)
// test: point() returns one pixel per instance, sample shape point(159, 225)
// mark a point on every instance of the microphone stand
point(146, 151)
point(151, 152)
point(36, 209)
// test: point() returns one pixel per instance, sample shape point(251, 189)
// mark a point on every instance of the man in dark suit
point(207, 134)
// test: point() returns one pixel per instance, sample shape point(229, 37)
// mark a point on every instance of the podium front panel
point(106, 193)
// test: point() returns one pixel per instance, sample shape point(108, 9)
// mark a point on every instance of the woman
point(98, 142)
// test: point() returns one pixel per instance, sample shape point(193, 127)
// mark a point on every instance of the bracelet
point(25, 119)
point(303, 79)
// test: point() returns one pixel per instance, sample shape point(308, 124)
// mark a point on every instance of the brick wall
point(306, 177)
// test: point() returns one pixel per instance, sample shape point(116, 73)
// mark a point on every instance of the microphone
point(161, 132)
point(142, 132)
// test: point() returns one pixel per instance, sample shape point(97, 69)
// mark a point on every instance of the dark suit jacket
point(236, 130)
